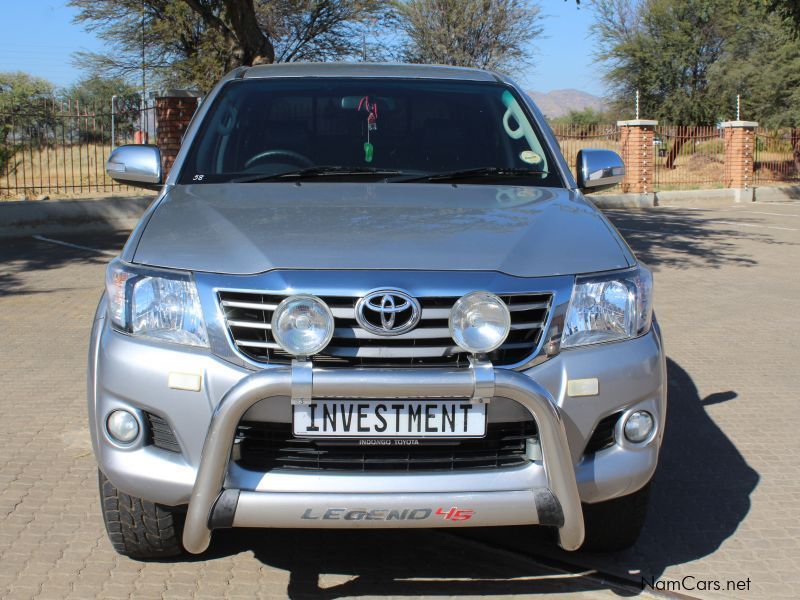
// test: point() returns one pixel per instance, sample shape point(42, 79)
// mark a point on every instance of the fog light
point(302, 325)
point(639, 426)
point(122, 426)
point(479, 322)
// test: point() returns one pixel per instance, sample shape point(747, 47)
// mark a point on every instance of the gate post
point(739, 153)
point(636, 137)
point(174, 111)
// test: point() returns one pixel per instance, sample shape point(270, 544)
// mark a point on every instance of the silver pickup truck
point(373, 296)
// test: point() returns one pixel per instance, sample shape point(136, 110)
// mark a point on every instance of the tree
point(95, 95)
point(23, 92)
point(665, 49)
point(584, 119)
point(194, 42)
point(236, 22)
point(488, 34)
point(691, 58)
point(762, 65)
point(788, 10)
point(97, 91)
point(26, 111)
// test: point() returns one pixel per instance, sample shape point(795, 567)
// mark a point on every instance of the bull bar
point(212, 506)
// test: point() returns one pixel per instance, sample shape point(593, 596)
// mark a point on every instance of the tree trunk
point(685, 134)
point(255, 47)
point(244, 37)
point(796, 150)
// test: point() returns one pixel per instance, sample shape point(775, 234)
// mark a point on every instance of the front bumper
point(211, 503)
point(130, 373)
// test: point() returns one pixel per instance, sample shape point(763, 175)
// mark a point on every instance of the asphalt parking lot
point(724, 502)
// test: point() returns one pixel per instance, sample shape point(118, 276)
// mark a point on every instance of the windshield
point(393, 130)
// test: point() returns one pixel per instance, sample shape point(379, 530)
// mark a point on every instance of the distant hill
point(559, 102)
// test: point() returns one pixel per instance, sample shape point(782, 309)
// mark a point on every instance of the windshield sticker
point(530, 157)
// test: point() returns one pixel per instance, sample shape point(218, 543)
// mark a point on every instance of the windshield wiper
point(470, 173)
point(319, 171)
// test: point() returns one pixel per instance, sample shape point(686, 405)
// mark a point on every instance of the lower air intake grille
point(248, 316)
point(268, 446)
point(160, 435)
point(603, 435)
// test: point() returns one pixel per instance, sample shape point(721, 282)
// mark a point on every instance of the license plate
point(389, 419)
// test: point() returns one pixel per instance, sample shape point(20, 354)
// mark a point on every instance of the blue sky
point(38, 36)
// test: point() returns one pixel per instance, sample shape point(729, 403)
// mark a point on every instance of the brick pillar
point(174, 110)
point(636, 138)
point(739, 150)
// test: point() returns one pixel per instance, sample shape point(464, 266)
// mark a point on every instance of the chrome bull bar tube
point(479, 382)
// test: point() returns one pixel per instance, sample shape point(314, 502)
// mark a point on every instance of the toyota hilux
point(373, 296)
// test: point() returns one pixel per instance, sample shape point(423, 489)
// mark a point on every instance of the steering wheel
point(294, 157)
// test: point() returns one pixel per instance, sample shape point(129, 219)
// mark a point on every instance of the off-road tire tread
point(614, 525)
point(138, 528)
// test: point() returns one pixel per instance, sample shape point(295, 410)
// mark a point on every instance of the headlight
point(155, 304)
point(609, 308)
point(479, 322)
point(302, 325)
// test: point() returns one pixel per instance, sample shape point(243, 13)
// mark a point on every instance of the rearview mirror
point(352, 102)
point(135, 164)
point(598, 169)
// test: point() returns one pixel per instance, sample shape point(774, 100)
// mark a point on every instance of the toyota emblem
point(388, 312)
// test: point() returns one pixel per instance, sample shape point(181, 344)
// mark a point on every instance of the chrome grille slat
point(528, 306)
point(393, 352)
point(436, 313)
point(520, 326)
point(253, 305)
point(252, 344)
point(248, 315)
point(249, 324)
point(420, 333)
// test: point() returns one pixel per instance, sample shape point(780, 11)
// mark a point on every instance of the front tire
point(615, 525)
point(138, 528)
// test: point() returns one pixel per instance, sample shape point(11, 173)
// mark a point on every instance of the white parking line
point(41, 238)
point(741, 209)
point(761, 212)
point(666, 221)
point(754, 225)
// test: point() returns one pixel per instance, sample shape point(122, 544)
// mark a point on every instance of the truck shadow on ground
point(701, 493)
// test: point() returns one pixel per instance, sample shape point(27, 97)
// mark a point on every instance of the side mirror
point(598, 169)
point(135, 164)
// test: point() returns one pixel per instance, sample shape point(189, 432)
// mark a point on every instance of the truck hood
point(252, 228)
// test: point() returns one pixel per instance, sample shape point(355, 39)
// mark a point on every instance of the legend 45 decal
point(385, 514)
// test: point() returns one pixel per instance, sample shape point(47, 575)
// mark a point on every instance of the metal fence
point(60, 147)
point(688, 157)
point(574, 137)
point(777, 156)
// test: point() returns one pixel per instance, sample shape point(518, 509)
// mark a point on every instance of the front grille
point(268, 446)
point(160, 434)
point(248, 316)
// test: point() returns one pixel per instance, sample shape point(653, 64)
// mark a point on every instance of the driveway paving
point(725, 496)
